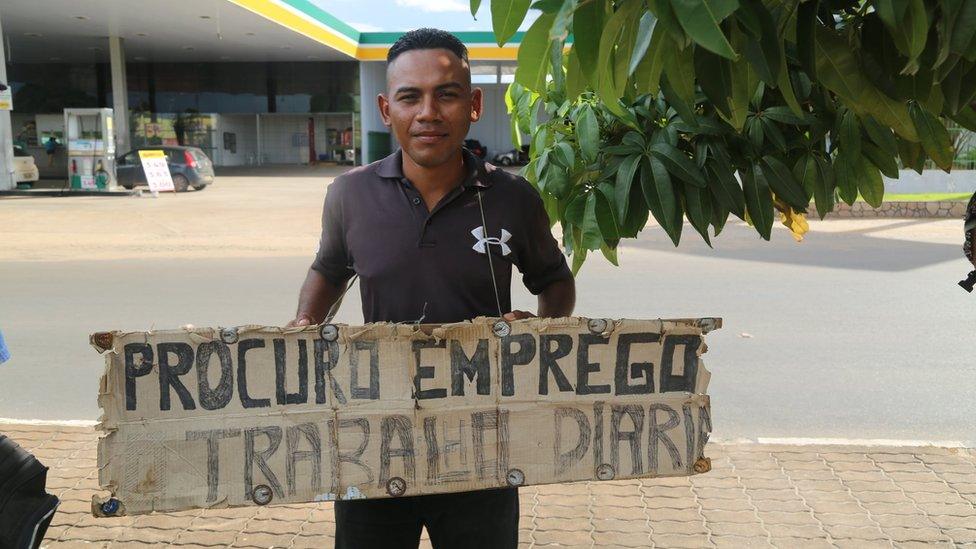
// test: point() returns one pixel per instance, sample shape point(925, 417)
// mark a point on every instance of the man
point(432, 233)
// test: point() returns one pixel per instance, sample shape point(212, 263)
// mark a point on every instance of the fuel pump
point(90, 142)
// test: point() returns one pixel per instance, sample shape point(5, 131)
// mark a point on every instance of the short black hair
point(427, 39)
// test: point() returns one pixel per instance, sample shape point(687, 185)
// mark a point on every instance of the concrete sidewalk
point(757, 495)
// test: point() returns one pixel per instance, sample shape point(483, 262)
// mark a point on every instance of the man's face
point(429, 104)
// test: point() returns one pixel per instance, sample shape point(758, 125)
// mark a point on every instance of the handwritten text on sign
point(202, 418)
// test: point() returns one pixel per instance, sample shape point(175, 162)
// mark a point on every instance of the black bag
point(26, 509)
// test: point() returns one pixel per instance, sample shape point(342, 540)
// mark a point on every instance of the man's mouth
point(429, 137)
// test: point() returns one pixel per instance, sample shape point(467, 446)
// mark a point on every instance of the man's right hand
point(301, 320)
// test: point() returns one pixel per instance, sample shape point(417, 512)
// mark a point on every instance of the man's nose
point(428, 109)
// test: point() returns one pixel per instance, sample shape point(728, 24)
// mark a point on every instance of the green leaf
point(615, 47)
point(605, 217)
point(725, 188)
point(823, 191)
point(661, 198)
point(678, 164)
point(963, 39)
point(805, 171)
point(592, 237)
point(588, 134)
point(564, 17)
point(806, 21)
point(891, 11)
point(869, 182)
point(763, 52)
point(720, 214)
point(685, 110)
point(557, 181)
point(587, 28)
point(664, 12)
point(913, 32)
point(912, 154)
point(507, 15)
point(575, 81)
point(744, 83)
point(645, 29)
point(841, 73)
point(880, 135)
point(717, 83)
point(610, 254)
point(563, 153)
point(772, 133)
point(698, 208)
point(933, 136)
point(637, 213)
point(759, 202)
point(623, 183)
point(701, 19)
point(533, 54)
point(579, 252)
point(846, 172)
point(783, 115)
point(648, 75)
point(576, 210)
point(966, 118)
point(884, 161)
point(679, 67)
point(781, 180)
point(850, 134)
point(475, 5)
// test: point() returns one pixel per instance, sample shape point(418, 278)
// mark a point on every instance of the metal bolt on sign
point(329, 332)
point(605, 472)
point(515, 477)
point(598, 325)
point(501, 328)
point(396, 486)
point(703, 465)
point(262, 494)
point(228, 335)
point(110, 507)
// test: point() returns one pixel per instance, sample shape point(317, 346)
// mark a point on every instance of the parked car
point(514, 157)
point(476, 148)
point(188, 166)
point(25, 170)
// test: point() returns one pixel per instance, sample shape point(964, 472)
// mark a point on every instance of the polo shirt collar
point(391, 167)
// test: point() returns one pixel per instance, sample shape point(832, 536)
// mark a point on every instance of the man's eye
point(408, 98)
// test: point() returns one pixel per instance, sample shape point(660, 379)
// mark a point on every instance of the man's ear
point(384, 106)
point(477, 103)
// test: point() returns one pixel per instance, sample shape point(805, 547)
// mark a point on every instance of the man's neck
point(434, 183)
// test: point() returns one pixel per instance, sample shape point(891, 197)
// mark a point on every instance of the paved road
point(858, 332)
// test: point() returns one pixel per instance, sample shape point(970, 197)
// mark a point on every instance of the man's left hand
point(517, 315)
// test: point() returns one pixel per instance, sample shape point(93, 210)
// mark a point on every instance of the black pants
point(484, 519)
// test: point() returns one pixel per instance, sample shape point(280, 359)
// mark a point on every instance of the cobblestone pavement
point(757, 495)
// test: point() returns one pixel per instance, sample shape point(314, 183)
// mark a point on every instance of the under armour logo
point(481, 244)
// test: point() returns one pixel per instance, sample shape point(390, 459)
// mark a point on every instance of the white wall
point(493, 130)
point(244, 126)
point(372, 82)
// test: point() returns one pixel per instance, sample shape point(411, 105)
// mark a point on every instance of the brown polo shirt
point(413, 262)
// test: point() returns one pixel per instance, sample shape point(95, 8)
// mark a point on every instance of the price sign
point(157, 171)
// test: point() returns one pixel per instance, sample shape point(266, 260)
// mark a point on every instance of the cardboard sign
point(157, 171)
point(257, 415)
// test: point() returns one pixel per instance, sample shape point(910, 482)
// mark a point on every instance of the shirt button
point(416, 201)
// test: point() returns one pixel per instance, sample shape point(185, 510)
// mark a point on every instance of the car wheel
point(200, 187)
point(180, 183)
point(506, 161)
